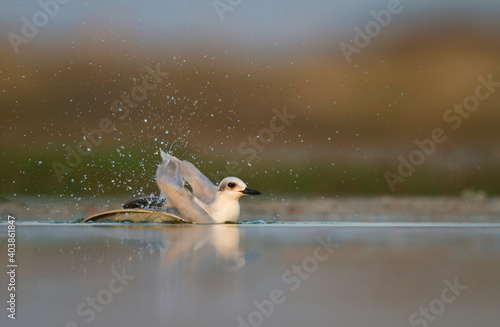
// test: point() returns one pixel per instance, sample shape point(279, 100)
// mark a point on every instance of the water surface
point(288, 274)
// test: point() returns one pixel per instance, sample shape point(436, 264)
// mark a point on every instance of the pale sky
point(269, 21)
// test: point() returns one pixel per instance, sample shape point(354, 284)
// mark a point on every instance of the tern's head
point(234, 188)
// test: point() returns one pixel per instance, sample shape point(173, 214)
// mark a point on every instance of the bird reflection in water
point(200, 247)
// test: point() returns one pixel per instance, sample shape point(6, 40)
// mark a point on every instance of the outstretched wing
point(202, 187)
point(170, 182)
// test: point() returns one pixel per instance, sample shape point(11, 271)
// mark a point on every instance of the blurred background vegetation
point(353, 119)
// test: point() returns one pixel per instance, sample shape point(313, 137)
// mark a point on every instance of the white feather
point(207, 203)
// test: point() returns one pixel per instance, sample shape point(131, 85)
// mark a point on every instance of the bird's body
point(226, 206)
point(207, 203)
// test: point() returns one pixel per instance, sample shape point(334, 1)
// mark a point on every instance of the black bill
point(250, 191)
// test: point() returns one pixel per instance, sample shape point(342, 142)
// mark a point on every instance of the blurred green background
point(225, 76)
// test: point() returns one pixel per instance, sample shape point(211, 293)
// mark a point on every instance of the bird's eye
point(231, 185)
